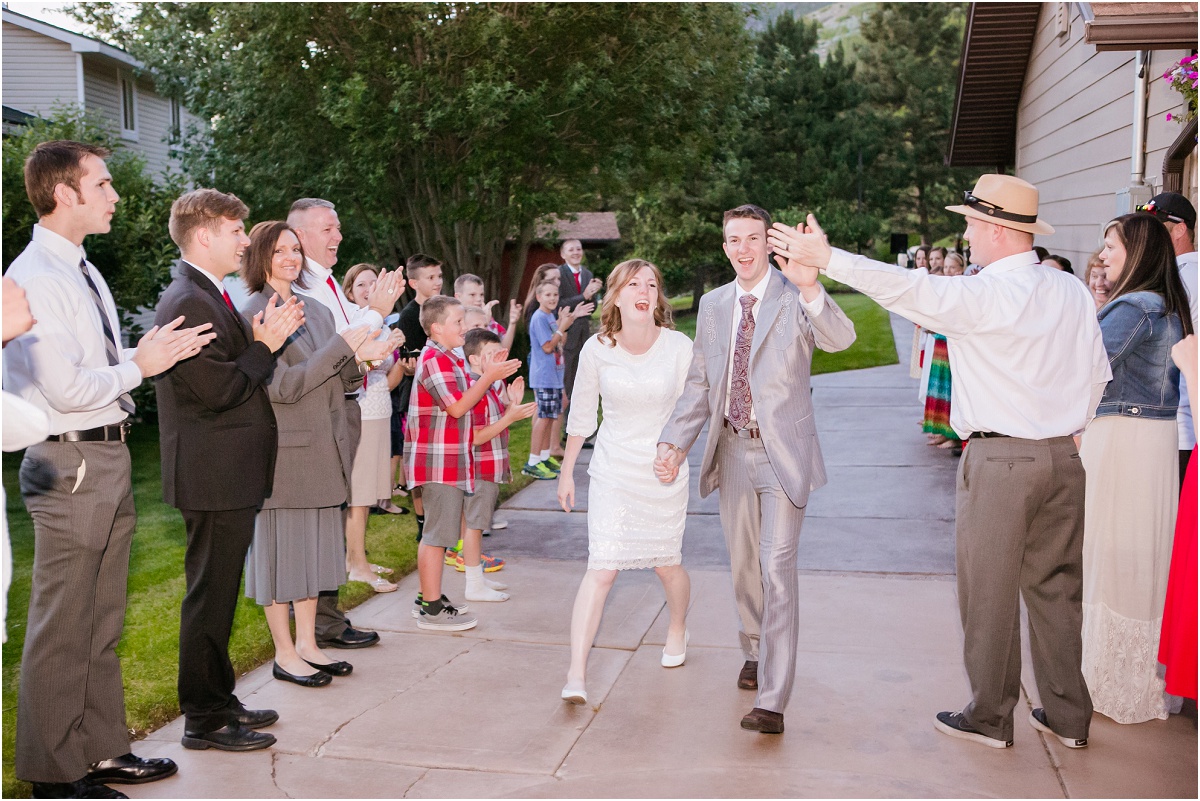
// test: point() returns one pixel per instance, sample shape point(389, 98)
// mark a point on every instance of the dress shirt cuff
point(815, 307)
point(131, 375)
point(372, 318)
point(839, 263)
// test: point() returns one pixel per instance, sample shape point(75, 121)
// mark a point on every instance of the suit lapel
point(207, 286)
point(768, 312)
point(719, 330)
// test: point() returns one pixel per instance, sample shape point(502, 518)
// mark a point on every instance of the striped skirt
point(937, 394)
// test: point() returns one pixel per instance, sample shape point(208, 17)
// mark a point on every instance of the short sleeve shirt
point(437, 446)
point(491, 458)
point(545, 369)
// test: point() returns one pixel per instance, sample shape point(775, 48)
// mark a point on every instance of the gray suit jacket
point(313, 372)
point(780, 369)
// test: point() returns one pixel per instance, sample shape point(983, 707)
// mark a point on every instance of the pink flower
point(1169, 116)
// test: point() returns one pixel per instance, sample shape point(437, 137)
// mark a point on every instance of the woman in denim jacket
point(1129, 455)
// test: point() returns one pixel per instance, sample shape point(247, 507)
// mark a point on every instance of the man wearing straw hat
point(1029, 368)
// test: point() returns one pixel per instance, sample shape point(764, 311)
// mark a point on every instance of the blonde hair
point(610, 314)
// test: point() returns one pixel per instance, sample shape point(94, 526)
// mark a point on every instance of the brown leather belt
point(117, 432)
point(744, 433)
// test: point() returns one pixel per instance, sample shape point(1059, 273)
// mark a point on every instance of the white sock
point(544, 455)
point(477, 589)
point(495, 585)
point(534, 460)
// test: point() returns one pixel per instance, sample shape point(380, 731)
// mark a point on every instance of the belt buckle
point(125, 427)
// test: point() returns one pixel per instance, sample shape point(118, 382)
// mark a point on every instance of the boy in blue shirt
point(547, 332)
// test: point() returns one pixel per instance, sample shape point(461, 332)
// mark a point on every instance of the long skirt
point(937, 393)
point(1130, 507)
point(1177, 650)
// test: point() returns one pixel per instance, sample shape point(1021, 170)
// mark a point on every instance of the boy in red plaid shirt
point(437, 450)
point(500, 408)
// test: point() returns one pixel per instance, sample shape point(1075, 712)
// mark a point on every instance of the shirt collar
point(1014, 262)
point(759, 290)
point(59, 245)
point(433, 343)
point(216, 281)
point(317, 270)
point(575, 270)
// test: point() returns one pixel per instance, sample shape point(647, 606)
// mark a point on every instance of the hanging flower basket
point(1182, 78)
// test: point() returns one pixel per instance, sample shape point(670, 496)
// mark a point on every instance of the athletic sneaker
point(554, 464)
point(1037, 719)
point(490, 564)
point(954, 724)
point(499, 524)
point(539, 471)
point(451, 556)
point(448, 618)
point(416, 611)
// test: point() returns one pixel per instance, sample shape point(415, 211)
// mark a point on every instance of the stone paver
point(477, 714)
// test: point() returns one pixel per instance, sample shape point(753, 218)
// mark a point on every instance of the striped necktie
point(110, 340)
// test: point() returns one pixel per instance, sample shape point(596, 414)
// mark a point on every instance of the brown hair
point(54, 163)
point(746, 211)
point(1092, 263)
point(417, 262)
point(476, 338)
point(539, 278)
point(1150, 264)
point(610, 314)
point(467, 278)
point(434, 310)
point(256, 264)
point(203, 208)
point(352, 275)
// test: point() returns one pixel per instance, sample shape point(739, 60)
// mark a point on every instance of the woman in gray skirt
point(298, 549)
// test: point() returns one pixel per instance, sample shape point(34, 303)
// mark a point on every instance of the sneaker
point(539, 471)
point(416, 610)
point(452, 556)
point(490, 564)
point(954, 724)
point(448, 618)
point(499, 524)
point(553, 463)
point(1037, 719)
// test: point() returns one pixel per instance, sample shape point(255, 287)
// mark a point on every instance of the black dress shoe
point(83, 788)
point(233, 737)
point(748, 678)
point(763, 720)
point(334, 668)
point(256, 718)
point(318, 679)
point(351, 638)
point(130, 769)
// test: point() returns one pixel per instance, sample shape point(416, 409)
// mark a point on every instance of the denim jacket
point(1138, 335)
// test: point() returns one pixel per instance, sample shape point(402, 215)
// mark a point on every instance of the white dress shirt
point(759, 291)
point(61, 365)
point(345, 314)
point(1026, 351)
point(1187, 431)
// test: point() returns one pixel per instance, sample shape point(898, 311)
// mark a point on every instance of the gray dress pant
point(71, 707)
point(762, 531)
point(1019, 529)
point(332, 622)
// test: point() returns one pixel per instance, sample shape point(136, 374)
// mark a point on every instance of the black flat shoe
point(318, 679)
point(256, 718)
point(82, 788)
point(130, 769)
point(228, 738)
point(351, 638)
point(334, 668)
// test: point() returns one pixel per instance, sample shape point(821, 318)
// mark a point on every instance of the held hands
point(162, 346)
point(274, 324)
point(594, 286)
point(800, 252)
point(386, 292)
point(377, 348)
point(666, 464)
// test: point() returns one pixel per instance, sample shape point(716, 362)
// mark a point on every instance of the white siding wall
point(102, 93)
point(1075, 131)
point(38, 71)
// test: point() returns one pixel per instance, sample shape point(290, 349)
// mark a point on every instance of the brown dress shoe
point(748, 678)
point(763, 720)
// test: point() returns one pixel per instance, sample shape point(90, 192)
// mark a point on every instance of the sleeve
point(540, 330)
point(217, 378)
point(946, 305)
point(55, 355)
point(438, 379)
point(567, 294)
point(1124, 327)
point(691, 409)
point(361, 315)
point(291, 382)
point(832, 330)
point(410, 325)
point(583, 418)
point(24, 423)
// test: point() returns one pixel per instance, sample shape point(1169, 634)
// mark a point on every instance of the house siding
point(39, 73)
point(1075, 131)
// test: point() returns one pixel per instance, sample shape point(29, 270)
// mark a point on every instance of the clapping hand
point(517, 410)
point(355, 336)
point(594, 286)
point(386, 292)
point(565, 318)
point(514, 313)
point(583, 310)
point(377, 347)
point(487, 307)
point(500, 367)
point(516, 391)
point(273, 325)
point(162, 347)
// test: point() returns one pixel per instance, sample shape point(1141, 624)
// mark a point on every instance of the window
point(175, 134)
point(128, 91)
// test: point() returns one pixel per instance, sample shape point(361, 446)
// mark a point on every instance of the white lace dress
point(634, 520)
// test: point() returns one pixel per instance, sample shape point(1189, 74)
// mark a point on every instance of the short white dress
point(634, 520)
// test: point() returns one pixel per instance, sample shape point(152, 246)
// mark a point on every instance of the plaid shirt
point(437, 447)
point(491, 458)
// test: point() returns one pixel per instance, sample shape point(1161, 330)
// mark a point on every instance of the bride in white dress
point(638, 364)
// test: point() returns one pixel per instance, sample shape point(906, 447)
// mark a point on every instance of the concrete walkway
point(478, 714)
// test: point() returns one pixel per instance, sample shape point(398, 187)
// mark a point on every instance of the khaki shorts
point(443, 514)
point(479, 507)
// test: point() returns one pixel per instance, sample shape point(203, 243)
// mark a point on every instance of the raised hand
point(565, 318)
point(487, 307)
point(162, 346)
point(355, 336)
point(520, 411)
point(376, 348)
point(516, 391)
point(386, 292)
point(583, 310)
point(500, 370)
point(808, 248)
point(514, 313)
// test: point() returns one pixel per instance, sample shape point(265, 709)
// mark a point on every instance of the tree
point(136, 256)
point(910, 68)
point(446, 128)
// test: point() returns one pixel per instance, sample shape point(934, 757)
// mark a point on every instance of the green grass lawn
point(149, 647)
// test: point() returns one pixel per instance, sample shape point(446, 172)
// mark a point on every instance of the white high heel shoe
point(574, 695)
point(675, 660)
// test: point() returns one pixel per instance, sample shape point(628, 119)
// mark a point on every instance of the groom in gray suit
point(749, 381)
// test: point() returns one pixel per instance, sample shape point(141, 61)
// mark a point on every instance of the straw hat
point(1004, 200)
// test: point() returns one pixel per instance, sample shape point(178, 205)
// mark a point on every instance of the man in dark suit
point(576, 286)
point(218, 442)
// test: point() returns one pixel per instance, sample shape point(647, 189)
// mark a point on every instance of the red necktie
point(333, 289)
point(228, 301)
point(577, 284)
